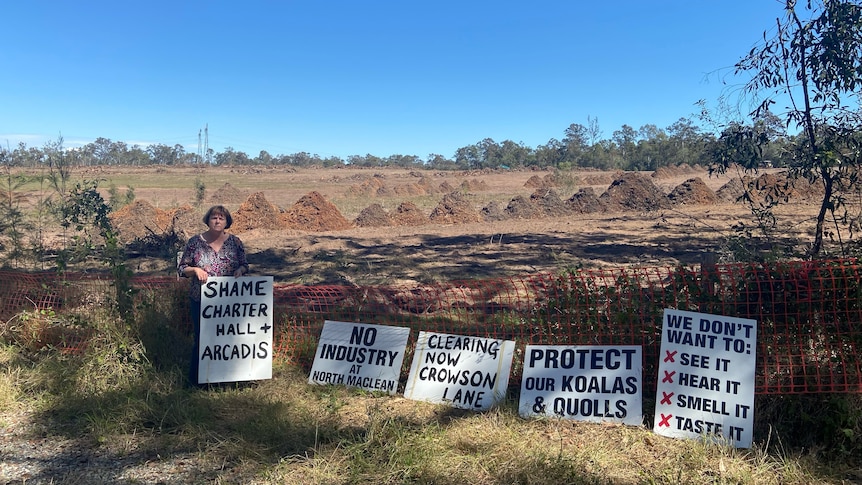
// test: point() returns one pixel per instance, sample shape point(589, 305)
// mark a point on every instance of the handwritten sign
point(464, 372)
point(706, 377)
point(359, 355)
point(600, 383)
point(236, 329)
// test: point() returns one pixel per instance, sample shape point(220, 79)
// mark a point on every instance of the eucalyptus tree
point(551, 154)
point(626, 142)
point(576, 143)
point(439, 162)
point(161, 154)
point(468, 157)
point(810, 62)
point(232, 157)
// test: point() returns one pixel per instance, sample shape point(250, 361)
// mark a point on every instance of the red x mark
point(668, 376)
point(669, 355)
point(665, 420)
point(666, 397)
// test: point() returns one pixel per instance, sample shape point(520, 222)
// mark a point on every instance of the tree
point(162, 154)
point(625, 139)
point(468, 157)
point(550, 154)
point(263, 158)
point(813, 63)
point(575, 142)
point(439, 162)
point(232, 157)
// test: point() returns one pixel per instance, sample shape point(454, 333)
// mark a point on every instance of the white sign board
point(706, 377)
point(236, 329)
point(360, 355)
point(597, 383)
point(464, 372)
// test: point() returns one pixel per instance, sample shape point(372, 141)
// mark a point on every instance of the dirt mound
point(493, 212)
point(763, 190)
point(664, 173)
point(585, 201)
point(521, 207)
point(227, 194)
point(534, 182)
point(550, 203)
point(805, 191)
point(454, 208)
point(314, 213)
point(373, 216)
point(599, 178)
point(474, 185)
point(784, 188)
point(692, 191)
point(377, 187)
point(187, 221)
point(140, 219)
point(771, 187)
point(734, 188)
point(409, 189)
point(257, 213)
point(671, 171)
point(428, 185)
point(368, 188)
point(446, 187)
point(408, 214)
point(634, 191)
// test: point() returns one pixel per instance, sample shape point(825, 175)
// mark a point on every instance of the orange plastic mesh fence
point(808, 313)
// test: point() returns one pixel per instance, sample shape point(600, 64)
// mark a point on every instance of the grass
point(284, 430)
point(124, 396)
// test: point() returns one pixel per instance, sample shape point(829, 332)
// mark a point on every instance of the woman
point(211, 253)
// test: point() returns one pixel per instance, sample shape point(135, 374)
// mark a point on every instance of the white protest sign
point(360, 355)
point(465, 372)
point(597, 383)
point(236, 329)
point(706, 377)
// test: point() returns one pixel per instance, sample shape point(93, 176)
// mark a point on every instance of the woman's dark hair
point(220, 210)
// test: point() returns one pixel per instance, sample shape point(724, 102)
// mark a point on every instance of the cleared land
point(395, 226)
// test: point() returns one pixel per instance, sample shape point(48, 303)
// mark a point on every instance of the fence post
point(707, 277)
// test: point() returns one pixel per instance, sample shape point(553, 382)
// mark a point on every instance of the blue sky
point(344, 78)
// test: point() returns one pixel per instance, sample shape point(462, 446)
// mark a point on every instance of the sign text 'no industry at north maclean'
point(360, 355)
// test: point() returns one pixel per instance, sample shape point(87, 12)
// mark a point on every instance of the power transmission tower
point(207, 142)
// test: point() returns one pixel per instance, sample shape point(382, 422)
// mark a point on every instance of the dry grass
point(284, 430)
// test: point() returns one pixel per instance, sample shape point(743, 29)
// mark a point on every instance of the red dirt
point(692, 191)
point(314, 213)
point(454, 208)
point(634, 192)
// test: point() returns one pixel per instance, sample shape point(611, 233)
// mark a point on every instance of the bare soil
point(393, 226)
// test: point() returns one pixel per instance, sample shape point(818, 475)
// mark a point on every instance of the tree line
point(582, 146)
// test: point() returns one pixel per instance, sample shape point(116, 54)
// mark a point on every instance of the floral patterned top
point(198, 253)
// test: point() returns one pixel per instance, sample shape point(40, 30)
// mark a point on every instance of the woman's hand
point(239, 272)
point(198, 273)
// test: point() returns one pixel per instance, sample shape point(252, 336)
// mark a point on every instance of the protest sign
point(359, 355)
point(465, 372)
point(706, 377)
point(236, 329)
point(598, 383)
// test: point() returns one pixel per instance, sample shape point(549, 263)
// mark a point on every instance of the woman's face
point(217, 221)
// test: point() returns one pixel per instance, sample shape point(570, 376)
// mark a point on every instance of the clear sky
point(340, 78)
